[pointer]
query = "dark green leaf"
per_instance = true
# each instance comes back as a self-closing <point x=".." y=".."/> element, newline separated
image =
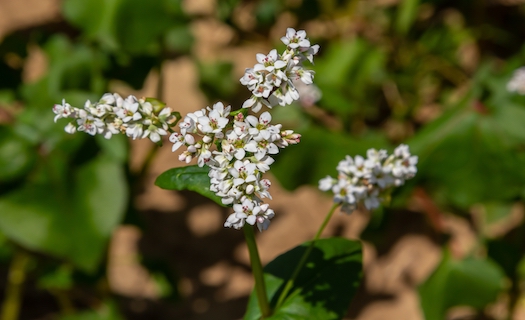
<point x="107" y="311"/>
<point x="465" y="151"/>
<point x="406" y="15"/>
<point x="16" y="155"/>
<point x="74" y="222"/>
<point x="192" y="178"/>
<point x="323" y="289"/>
<point x="469" y="282"/>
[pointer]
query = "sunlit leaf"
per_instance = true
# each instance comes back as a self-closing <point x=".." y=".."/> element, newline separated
<point x="192" y="178"/>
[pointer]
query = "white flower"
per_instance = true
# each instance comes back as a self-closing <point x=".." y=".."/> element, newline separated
<point x="63" y="110"/>
<point x="295" y="39"/>
<point x="326" y="183"/>
<point x="517" y="82"/>
<point x="270" y="61"/>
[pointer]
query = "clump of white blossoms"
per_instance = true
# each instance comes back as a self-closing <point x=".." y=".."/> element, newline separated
<point x="137" y="118"/>
<point x="370" y="180"/>
<point x="246" y="143"/>
<point x="270" y="80"/>
<point x="517" y="82"/>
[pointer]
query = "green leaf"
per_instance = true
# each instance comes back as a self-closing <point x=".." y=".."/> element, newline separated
<point x="117" y="147"/>
<point x="16" y="155"/>
<point x="324" y="287"/>
<point x="192" y="178"/>
<point x="72" y="222"/>
<point x="469" y="282"/>
<point x="135" y="26"/>
<point x="464" y="151"/>
<point x="108" y="311"/>
<point x="139" y="25"/>
<point x="61" y="278"/>
<point x="406" y="15"/>
<point x="317" y="156"/>
<point x="179" y="39"/>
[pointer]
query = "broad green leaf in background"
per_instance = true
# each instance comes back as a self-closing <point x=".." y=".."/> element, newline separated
<point x="192" y="178"/>
<point x="107" y="311"/>
<point x="134" y="26"/>
<point x="469" y="282"/>
<point x="16" y="155"/>
<point x="466" y="150"/>
<point x="318" y="155"/>
<point x="406" y="15"/>
<point x="216" y="80"/>
<point x="323" y="289"/>
<point x="72" y="222"/>
<point x="348" y="74"/>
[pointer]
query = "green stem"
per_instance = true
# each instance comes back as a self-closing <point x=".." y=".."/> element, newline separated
<point x="257" y="270"/>
<point x="15" y="281"/>
<point x="297" y="270"/>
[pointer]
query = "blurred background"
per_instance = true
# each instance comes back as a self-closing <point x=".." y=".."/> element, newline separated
<point x="85" y="234"/>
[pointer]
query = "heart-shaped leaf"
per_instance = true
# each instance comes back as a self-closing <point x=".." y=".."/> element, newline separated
<point x="325" y="286"/>
<point x="73" y="223"/>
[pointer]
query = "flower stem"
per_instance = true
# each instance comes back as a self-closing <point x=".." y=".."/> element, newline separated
<point x="257" y="270"/>
<point x="290" y="282"/>
<point x="15" y="282"/>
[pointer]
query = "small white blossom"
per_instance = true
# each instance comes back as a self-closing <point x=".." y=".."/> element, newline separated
<point x="517" y="82"/>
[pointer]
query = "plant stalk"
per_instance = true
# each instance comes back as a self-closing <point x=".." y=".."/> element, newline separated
<point x="306" y="254"/>
<point x="15" y="282"/>
<point x="257" y="270"/>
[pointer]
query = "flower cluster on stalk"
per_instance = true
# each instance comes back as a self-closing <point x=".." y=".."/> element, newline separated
<point x="370" y="180"/>
<point x="271" y="79"/>
<point x="136" y="118"/>
<point x="246" y="143"/>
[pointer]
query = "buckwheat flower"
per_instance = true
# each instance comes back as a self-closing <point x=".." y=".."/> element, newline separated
<point x="271" y="61"/>
<point x="135" y="131"/>
<point x="154" y="133"/>
<point x="70" y="128"/>
<point x="306" y="76"/>
<point x="251" y="78"/>
<point x="326" y="183"/>
<point x="63" y="110"/>
<point x="369" y="181"/>
<point x="517" y="82"/>
<point x="295" y="39"/>
<point x="260" y="128"/>
<point x="137" y="118"/>
<point x="129" y="110"/>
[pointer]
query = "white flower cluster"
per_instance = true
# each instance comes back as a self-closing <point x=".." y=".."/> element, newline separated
<point x="246" y="143"/>
<point x="517" y="82"/>
<point x="370" y="180"/>
<point x="137" y="118"/>
<point x="270" y="80"/>
<point x="243" y="155"/>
